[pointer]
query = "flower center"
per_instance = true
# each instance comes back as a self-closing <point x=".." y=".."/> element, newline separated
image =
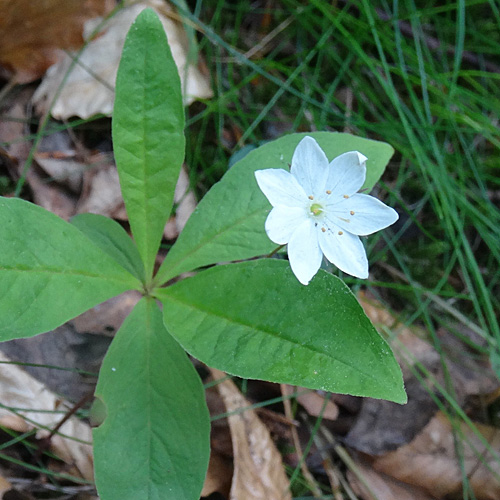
<point x="316" y="209"/>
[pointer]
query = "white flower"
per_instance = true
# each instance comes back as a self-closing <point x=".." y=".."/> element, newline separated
<point x="317" y="210"/>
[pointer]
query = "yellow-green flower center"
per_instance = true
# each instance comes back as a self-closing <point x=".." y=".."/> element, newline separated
<point x="316" y="209"/>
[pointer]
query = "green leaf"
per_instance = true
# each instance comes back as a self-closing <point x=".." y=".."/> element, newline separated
<point x="148" y="132"/>
<point x="228" y="224"/>
<point x="110" y="237"/>
<point x="255" y="320"/>
<point x="154" y="442"/>
<point x="49" y="271"/>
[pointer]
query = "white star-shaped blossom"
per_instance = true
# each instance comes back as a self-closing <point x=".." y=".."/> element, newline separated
<point x="317" y="210"/>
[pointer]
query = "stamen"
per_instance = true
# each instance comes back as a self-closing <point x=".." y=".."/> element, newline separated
<point x="328" y="191"/>
<point x="352" y="212"/>
<point x="341" y="233"/>
<point x="311" y="197"/>
<point x="323" y="229"/>
<point x="346" y="196"/>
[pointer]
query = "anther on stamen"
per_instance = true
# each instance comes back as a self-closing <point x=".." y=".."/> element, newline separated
<point x="346" y="196"/>
<point x="323" y="229"/>
<point x="352" y="212"/>
<point x="328" y="191"/>
<point x="311" y="197"/>
<point x="341" y="233"/>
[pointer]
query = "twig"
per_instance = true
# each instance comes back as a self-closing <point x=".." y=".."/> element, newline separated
<point x="275" y="251"/>
<point x="348" y="461"/>
<point x="331" y="470"/>
<point x="45" y="442"/>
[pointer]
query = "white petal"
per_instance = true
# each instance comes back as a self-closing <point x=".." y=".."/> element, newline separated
<point x="282" y="222"/>
<point x="280" y="187"/>
<point x="361" y="214"/>
<point x="346" y="174"/>
<point x="304" y="253"/>
<point x="345" y="251"/>
<point x="310" y="166"/>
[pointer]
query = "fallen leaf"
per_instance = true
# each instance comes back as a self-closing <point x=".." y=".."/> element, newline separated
<point x="4" y="486"/>
<point x="106" y="318"/>
<point x="372" y="485"/>
<point x="66" y="349"/>
<point x="258" y="467"/>
<point x="34" y="35"/>
<point x="39" y="408"/>
<point x="66" y="171"/>
<point x="14" y="126"/>
<point x="316" y="404"/>
<point x="431" y="462"/>
<point x="50" y="196"/>
<point x="102" y="194"/>
<point x="186" y="204"/>
<point x="219" y="473"/>
<point x="81" y="343"/>
<point x="89" y="87"/>
<point x="383" y="426"/>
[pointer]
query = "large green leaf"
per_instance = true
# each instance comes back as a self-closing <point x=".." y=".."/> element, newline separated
<point x="228" y="224"/>
<point x="110" y="237"/>
<point x="49" y="271"/>
<point x="255" y="320"/>
<point x="154" y="442"/>
<point x="148" y="132"/>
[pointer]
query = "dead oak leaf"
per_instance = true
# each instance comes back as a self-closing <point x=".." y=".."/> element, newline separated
<point x="258" y="467"/>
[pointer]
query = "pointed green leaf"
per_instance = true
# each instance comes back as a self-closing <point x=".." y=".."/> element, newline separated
<point x="228" y="224"/>
<point x="154" y="442"/>
<point x="49" y="271"/>
<point x="255" y="320"/>
<point x="110" y="237"/>
<point x="148" y="132"/>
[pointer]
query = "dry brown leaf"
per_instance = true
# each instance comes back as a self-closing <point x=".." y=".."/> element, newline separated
<point x="186" y="203"/>
<point x="20" y="390"/>
<point x="219" y="473"/>
<point x="373" y="485"/>
<point x="430" y="460"/>
<point x="383" y="426"/>
<point x="81" y="342"/>
<point x="106" y="318"/>
<point x="14" y="125"/>
<point x="4" y="486"/>
<point x="316" y="404"/>
<point x="34" y="35"/>
<point x="472" y="374"/>
<point x="102" y="194"/>
<point x="258" y="467"/>
<point x="87" y="93"/>
<point x="66" y="171"/>
<point x="50" y="196"/>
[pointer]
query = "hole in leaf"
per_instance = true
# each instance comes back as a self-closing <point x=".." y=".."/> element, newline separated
<point x="98" y="412"/>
